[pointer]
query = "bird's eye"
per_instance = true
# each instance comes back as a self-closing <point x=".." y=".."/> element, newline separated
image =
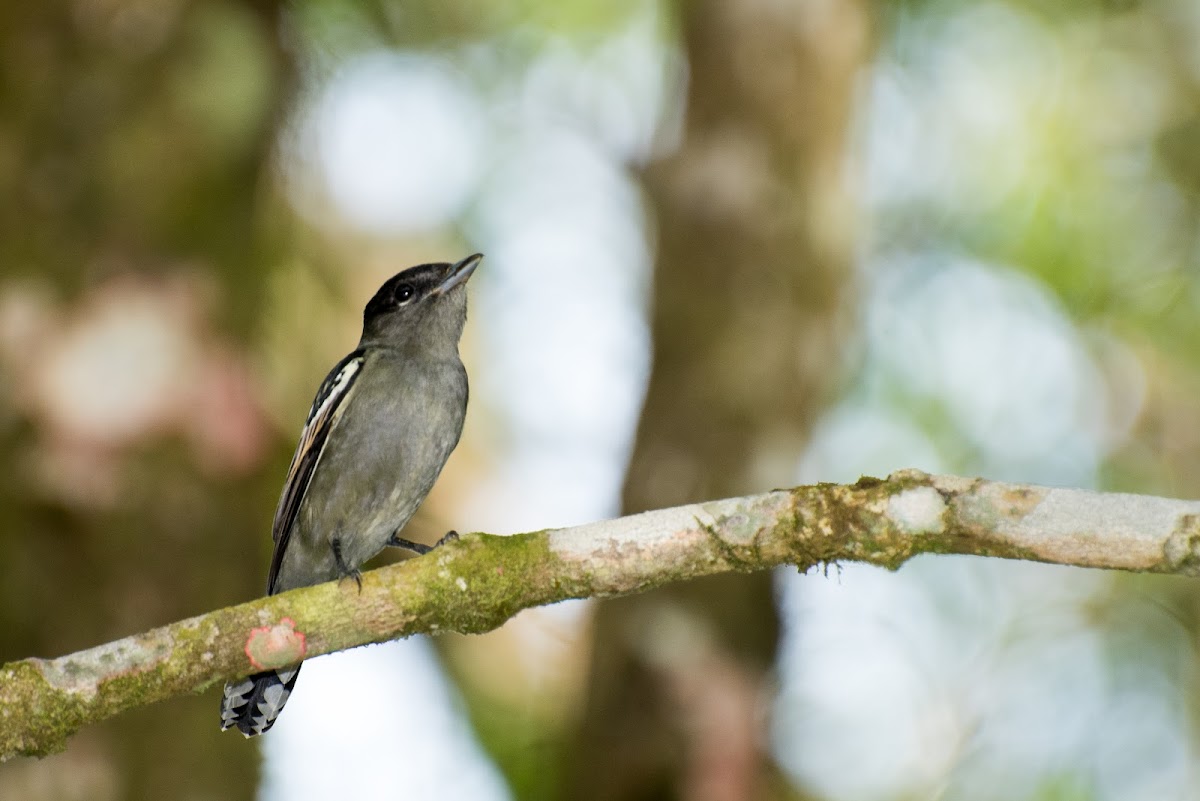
<point x="404" y="293"/>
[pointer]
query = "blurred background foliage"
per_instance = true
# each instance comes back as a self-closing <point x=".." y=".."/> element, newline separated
<point x="731" y="246"/>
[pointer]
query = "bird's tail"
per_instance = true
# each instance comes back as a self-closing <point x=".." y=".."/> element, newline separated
<point x="253" y="704"/>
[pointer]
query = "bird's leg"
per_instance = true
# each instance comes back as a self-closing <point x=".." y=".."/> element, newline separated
<point x="396" y="541"/>
<point x="344" y="570"/>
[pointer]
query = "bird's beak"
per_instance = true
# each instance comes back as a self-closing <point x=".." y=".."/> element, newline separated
<point x="460" y="272"/>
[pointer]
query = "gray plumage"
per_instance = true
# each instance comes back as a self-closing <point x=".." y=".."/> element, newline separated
<point x="380" y="429"/>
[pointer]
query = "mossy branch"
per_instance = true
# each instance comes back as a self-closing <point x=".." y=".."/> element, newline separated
<point x="480" y="581"/>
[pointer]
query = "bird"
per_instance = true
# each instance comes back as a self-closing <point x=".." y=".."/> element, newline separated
<point x="378" y="433"/>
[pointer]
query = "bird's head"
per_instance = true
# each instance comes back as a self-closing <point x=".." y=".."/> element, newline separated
<point x="425" y="305"/>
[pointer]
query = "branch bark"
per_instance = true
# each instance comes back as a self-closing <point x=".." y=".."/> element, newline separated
<point x="477" y="583"/>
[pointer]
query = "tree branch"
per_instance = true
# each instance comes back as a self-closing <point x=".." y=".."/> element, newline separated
<point x="475" y="584"/>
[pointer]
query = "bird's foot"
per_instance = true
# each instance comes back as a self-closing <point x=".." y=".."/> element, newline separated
<point x="352" y="574"/>
<point x="344" y="570"/>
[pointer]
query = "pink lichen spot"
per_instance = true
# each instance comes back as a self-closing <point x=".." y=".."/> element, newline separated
<point x="275" y="646"/>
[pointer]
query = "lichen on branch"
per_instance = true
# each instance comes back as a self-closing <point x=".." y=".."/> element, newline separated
<point x="476" y="583"/>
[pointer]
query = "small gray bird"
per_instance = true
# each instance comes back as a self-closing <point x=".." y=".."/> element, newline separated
<point x="380" y="429"/>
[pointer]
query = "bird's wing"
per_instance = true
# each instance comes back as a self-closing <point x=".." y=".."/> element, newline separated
<point x="326" y="409"/>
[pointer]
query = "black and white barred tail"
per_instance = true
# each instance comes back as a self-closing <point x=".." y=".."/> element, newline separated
<point x="253" y="704"/>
